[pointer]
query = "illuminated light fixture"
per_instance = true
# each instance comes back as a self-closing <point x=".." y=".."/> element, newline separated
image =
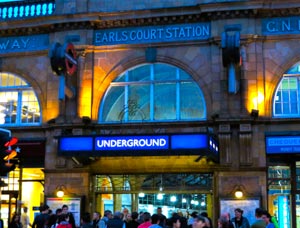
<point x="254" y="113"/>
<point x="173" y="199"/>
<point x="160" y="196"/>
<point x="60" y="192"/>
<point x="202" y="203"/>
<point x="238" y="192"/>
<point x="183" y="200"/>
<point x="141" y="195"/>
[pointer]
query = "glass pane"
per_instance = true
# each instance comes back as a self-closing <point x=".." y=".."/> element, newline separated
<point x="164" y="72"/>
<point x="191" y="108"/>
<point x="30" y="108"/>
<point x="113" y="105"/>
<point x="279" y="184"/>
<point x="141" y="73"/>
<point x="8" y="105"/>
<point x="165" y="102"/>
<point x="138" y="102"/>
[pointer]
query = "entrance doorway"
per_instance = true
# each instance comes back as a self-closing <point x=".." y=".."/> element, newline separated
<point x="183" y="193"/>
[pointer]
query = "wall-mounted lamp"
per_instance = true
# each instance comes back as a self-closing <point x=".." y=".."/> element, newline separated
<point x="254" y="113"/>
<point x="238" y="191"/>
<point x="60" y="191"/>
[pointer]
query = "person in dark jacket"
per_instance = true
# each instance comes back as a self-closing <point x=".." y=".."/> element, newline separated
<point x="133" y="223"/>
<point x="116" y="221"/>
<point x="41" y="220"/>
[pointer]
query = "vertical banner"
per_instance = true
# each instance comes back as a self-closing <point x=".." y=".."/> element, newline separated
<point x="283" y="212"/>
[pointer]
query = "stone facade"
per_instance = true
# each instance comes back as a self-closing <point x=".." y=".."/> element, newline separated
<point x="241" y="137"/>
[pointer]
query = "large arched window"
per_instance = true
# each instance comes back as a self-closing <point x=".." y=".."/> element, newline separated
<point x="153" y="93"/>
<point x="286" y="101"/>
<point x="18" y="102"/>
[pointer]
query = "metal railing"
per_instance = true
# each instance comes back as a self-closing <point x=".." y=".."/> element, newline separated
<point x="26" y="9"/>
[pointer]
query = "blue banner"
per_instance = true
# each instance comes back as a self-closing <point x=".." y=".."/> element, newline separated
<point x="282" y="144"/>
<point x="281" y="26"/>
<point x="24" y="43"/>
<point x="139" y="145"/>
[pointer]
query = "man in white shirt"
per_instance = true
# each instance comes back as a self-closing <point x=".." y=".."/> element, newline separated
<point x="25" y="218"/>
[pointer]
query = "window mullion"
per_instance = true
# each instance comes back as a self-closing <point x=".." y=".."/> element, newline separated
<point x="19" y="108"/>
<point x="152" y="92"/>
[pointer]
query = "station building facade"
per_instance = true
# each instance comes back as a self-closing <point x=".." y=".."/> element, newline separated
<point x="176" y="104"/>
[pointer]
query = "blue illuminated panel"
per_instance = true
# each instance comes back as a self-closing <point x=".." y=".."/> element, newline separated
<point x="282" y="144"/>
<point x="76" y="144"/>
<point x="189" y="141"/>
<point x="132" y="142"/>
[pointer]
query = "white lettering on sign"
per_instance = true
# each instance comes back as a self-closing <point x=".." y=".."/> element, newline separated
<point x="153" y="34"/>
<point x="282" y="25"/>
<point x="23" y="43"/>
<point x="129" y="143"/>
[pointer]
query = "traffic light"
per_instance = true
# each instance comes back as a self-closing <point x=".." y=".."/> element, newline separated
<point x="6" y="152"/>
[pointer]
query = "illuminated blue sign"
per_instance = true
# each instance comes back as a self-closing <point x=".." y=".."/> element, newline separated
<point x="153" y="34"/>
<point x="76" y="143"/>
<point x="189" y="141"/>
<point x="281" y="25"/>
<point x="139" y="145"/>
<point x="282" y="144"/>
<point x="132" y="143"/>
<point x="24" y="43"/>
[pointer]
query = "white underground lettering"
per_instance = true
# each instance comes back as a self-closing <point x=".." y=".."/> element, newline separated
<point x="121" y="143"/>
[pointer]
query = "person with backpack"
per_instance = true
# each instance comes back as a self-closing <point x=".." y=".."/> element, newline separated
<point x="103" y="222"/>
<point x="96" y="219"/>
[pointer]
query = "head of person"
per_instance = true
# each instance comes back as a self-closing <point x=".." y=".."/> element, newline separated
<point x="159" y="210"/>
<point x="108" y="214"/>
<point x="44" y="209"/>
<point x="127" y="217"/>
<point x="65" y="209"/>
<point x="175" y="221"/>
<point x="258" y="212"/>
<point x="25" y="209"/>
<point x="58" y="211"/>
<point x="199" y="222"/>
<point x="118" y="215"/>
<point x="225" y="216"/>
<point x="86" y="218"/>
<point x="223" y="222"/>
<point x="155" y="219"/>
<point x="134" y="215"/>
<point x="194" y="214"/>
<point x="125" y="211"/>
<point x="266" y="217"/>
<point x="96" y="216"/>
<point x="63" y="218"/>
<point x="146" y="216"/>
<point x="238" y="212"/>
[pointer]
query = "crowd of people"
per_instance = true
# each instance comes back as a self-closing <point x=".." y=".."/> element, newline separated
<point x="62" y="218"/>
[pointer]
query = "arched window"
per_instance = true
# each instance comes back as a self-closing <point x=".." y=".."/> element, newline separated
<point x="286" y="100"/>
<point x="18" y="102"/>
<point x="153" y="93"/>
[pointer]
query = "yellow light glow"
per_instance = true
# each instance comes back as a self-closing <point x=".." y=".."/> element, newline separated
<point x="238" y="194"/>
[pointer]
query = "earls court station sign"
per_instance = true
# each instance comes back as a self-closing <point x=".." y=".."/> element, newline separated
<point x="152" y="34"/>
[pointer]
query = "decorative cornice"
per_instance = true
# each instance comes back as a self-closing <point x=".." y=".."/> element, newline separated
<point x="60" y="23"/>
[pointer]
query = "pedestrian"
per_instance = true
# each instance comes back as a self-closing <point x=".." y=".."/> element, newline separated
<point x="259" y="222"/>
<point x="239" y="220"/>
<point x="63" y="221"/>
<point x="25" y="218"/>
<point x="96" y="219"/>
<point x="15" y="221"/>
<point x="86" y="220"/>
<point x="42" y="219"/>
<point x="65" y="210"/>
